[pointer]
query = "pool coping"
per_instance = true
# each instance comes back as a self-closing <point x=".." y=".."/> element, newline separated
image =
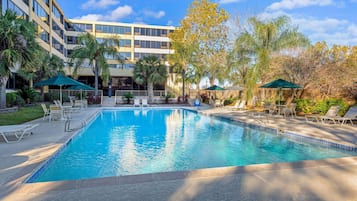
<point x="37" y="187"/>
<point x="42" y="187"/>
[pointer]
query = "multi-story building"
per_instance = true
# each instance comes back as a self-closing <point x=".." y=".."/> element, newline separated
<point x="58" y="35"/>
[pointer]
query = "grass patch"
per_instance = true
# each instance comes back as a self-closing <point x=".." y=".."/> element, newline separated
<point x="24" y="114"/>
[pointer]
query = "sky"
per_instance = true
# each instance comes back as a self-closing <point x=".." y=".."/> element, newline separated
<point x="333" y="21"/>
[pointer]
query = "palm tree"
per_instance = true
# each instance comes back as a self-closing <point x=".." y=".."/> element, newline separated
<point x="150" y="71"/>
<point x="43" y="66"/>
<point x="17" y="46"/>
<point x="266" y="38"/>
<point x="90" y="49"/>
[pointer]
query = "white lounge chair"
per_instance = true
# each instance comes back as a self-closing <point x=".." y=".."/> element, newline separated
<point x="46" y="112"/>
<point x="241" y="105"/>
<point x="19" y="131"/>
<point x="136" y="103"/>
<point x="350" y="116"/>
<point x="144" y="102"/>
<point x="330" y="115"/>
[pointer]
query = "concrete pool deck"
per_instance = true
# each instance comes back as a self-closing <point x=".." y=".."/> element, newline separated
<point x="331" y="179"/>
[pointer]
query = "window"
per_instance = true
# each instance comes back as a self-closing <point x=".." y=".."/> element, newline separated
<point x="42" y="34"/>
<point x="72" y="40"/>
<point x="151" y="32"/>
<point x="40" y="12"/>
<point x="125" y="55"/>
<point x="26" y="2"/>
<point x="8" y="4"/>
<point x="112" y="29"/>
<point x="57" y="45"/>
<point x="136" y="30"/>
<point x="151" y="44"/>
<point x="47" y="2"/>
<point x="142" y="55"/>
<point x="89" y="27"/>
<point x="57" y="29"/>
<point x="125" y="43"/>
<point x="57" y="14"/>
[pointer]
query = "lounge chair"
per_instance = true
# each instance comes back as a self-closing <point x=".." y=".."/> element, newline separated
<point x="290" y="110"/>
<point x="218" y="103"/>
<point x="46" y="112"/>
<point x="350" y="116"/>
<point x="241" y="105"/>
<point x="19" y="131"/>
<point x="330" y="115"/>
<point x="56" y="112"/>
<point x="144" y="102"/>
<point x="136" y="103"/>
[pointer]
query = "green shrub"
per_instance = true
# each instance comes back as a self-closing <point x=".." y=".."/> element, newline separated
<point x="309" y="106"/>
<point x="28" y="94"/>
<point x="56" y="96"/>
<point x="19" y="100"/>
<point x="229" y="101"/>
<point x="127" y="96"/>
<point x="10" y="99"/>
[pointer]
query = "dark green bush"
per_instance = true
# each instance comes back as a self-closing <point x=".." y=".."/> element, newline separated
<point x="11" y="99"/>
<point x="19" y="100"/>
<point x="28" y="94"/>
<point x="56" y="96"/>
<point x="127" y="96"/>
<point x="309" y="106"/>
<point x="305" y="105"/>
<point x="229" y="101"/>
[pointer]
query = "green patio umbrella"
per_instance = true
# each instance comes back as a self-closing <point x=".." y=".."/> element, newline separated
<point x="58" y="80"/>
<point x="81" y="87"/>
<point x="215" y="88"/>
<point x="280" y="84"/>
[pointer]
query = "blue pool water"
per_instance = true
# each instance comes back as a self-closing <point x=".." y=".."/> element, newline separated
<point x="127" y="142"/>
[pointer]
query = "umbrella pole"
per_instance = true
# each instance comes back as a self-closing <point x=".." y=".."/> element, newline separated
<point x="61" y="93"/>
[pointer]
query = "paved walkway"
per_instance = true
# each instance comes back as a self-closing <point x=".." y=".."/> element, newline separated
<point x="332" y="179"/>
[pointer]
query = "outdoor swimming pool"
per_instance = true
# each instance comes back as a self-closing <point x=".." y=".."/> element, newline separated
<point x="138" y="141"/>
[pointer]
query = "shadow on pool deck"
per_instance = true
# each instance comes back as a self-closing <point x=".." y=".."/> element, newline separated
<point x="331" y="179"/>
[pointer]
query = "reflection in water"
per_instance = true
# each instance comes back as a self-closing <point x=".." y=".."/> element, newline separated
<point x="140" y="141"/>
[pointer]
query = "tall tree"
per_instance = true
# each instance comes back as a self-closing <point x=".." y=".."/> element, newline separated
<point x="95" y="53"/>
<point x="240" y="64"/>
<point x="201" y="40"/>
<point x="17" y="46"/>
<point x="150" y="71"/>
<point x="43" y="66"/>
<point x="266" y="38"/>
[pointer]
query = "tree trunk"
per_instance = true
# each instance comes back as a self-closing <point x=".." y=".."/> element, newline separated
<point x="183" y="84"/>
<point x="150" y="87"/>
<point x="96" y="76"/>
<point x="3" y="81"/>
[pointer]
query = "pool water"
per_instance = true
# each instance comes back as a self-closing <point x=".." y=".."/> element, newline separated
<point x="128" y="142"/>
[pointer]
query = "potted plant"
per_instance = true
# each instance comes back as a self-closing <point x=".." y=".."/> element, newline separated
<point x="127" y="97"/>
<point x="168" y="96"/>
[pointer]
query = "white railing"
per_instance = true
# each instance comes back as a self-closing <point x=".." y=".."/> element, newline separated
<point x="119" y="95"/>
<point x="75" y="93"/>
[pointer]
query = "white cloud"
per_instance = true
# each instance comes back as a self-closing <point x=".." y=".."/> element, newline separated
<point x="331" y="30"/>
<point x="90" y="17"/>
<point x="292" y="4"/>
<point x="228" y="1"/>
<point x="154" y="14"/>
<point x="99" y="4"/>
<point x="170" y="23"/>
<point x="118" y="13"/>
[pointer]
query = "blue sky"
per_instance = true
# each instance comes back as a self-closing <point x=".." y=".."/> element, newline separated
<point x="334" y="21"/>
